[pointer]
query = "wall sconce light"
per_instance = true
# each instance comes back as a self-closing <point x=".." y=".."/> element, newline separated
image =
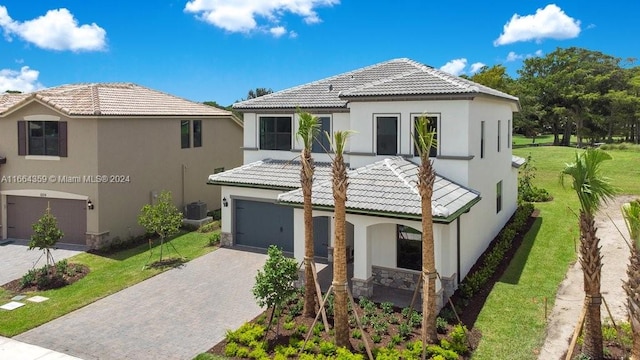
<point x="89" y="205"/>
<point x="225" y="203"/>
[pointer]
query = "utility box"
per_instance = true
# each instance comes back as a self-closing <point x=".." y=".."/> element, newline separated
<point x="196" y="210"/>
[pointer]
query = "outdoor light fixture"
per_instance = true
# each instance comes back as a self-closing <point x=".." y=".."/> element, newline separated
<point x="89" y="205"/>
<point x="225" y="203"/>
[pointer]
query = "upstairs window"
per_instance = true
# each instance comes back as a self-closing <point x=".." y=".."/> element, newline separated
<point x="482" y="140"/>
<point x="197" y="133"/>
<point x="509" y="134"/>
<point x="185" y="134"/>
<point x="432" y="124"/>
<point x="321" y="143"/>
<point x="42" y="138"/>
<point x="386" y="135"/>
<point x="275" y="133"/>
<point x="499" y="126"/>
<point x="499" y="196"/>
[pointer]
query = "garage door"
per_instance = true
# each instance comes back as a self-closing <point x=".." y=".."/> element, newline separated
<point x="260" y="224"/>
<point x="24" y="211"/>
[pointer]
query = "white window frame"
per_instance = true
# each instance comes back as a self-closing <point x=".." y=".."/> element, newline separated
<point x="375" y="132"/>
<point x="438" y="130"/>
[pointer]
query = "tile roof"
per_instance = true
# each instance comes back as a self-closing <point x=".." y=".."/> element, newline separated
<point x="398" y="77"/>
<point x="517" y="161"/>
<point x="276" y="174"/>
<point x="110" y="99"/>
<point x="390" y="186"/>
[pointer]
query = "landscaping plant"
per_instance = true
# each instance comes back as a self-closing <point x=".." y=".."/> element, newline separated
<point x="631" y="213"/>
<point x="425" y="140"/>
<point x="161" y="218"/>
<point x="308" y="128"/>
<point x="592" y="188"/>
<point x="46" y="235"/>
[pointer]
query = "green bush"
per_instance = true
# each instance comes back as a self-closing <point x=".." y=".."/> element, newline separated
<point x="436" y="350"/>
<point x="328" y="348"/>
<point x="441" y="325"/>
<point x="459" y="339"/>
<point x="231" y="349"/>
<point x="214" y="239"/>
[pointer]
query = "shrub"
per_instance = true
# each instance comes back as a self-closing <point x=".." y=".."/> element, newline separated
<point x="436" y="350"/>
<point x="376" y="338"/>
<point x="328" y="348"/>
<point x="356" y="334"/>
<point x="231" y="349"/>
<point x="459" y="339"/>
<point x="214" y="239"/>
<point x="209" y="227"/>
<point x="404" y="330"/>
<point x="441" y="325"/>
<point x="387" y="307"/>
<point x="274" y="283"/>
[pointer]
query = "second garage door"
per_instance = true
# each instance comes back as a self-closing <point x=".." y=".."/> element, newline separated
<point x="24" y="211"/>
<point x="260" y="224"/>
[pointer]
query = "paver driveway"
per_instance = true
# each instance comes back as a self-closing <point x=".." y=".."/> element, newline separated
<point x="16" y="259"/>
<point x="174" y="315"/>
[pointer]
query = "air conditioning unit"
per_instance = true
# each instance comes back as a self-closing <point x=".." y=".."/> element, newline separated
<point x="196" y="210"/>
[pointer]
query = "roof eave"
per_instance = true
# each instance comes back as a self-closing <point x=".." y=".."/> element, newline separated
<point x="252" y="186"/>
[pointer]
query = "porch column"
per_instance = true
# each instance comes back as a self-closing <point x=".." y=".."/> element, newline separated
<point x="362" y="281"/>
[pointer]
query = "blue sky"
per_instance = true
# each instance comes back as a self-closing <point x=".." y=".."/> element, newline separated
<point x="219" y="49"/>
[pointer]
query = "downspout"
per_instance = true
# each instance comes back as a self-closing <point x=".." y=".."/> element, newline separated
<point x="458" y="248"/>
<point x="184" y="170"/>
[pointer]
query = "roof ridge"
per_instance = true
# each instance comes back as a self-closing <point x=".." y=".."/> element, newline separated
<point x="389" y="163"/>
<point x="95" y="99"/>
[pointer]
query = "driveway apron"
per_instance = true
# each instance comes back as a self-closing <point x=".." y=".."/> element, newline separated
<point x="174" y="315"/>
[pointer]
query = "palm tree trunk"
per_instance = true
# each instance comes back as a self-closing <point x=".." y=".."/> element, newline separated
<point x="341" y="317"/>
<point x="591" y="262"/>
<point x="306" y="179"/>
<point x="632" y="287"/>
<point x="426" y="178"/>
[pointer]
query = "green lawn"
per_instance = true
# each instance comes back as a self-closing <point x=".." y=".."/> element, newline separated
<point x="109" y="274"/>
<point x="512" y="321"/>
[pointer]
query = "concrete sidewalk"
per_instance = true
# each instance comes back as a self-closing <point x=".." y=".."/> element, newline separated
<point x="16" y="350"/>
<point x="174" y="315"/>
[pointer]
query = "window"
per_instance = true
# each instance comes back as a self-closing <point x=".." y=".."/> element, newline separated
<point x="499" y="196"/>
<point x="509" y="134"/>
<point x="482" y="140"/>
<point x="409" y="248"/>
<point x="321" y="143"/>
<point x="218" y="170"/>
<point x="275" y="133"/>
<point x="499" y="126"/>
<point x="197" y="133"/>
<point x="185" y="134"/>
<point x="432" y="124"/>
<point x="386" y="135"/>
<point x="42" y="138"/>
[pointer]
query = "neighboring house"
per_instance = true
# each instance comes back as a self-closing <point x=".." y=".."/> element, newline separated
<point x="96" y="153"/>
<point x="475" y="190"/>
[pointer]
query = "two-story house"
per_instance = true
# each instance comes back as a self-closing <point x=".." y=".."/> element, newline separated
<point x="475" y="190"/>
<point x="96" y="153"/>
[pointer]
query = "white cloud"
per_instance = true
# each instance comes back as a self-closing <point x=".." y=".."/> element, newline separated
<point x="455" y="66"/>
<point x="538" y="53"/>
<point x="278" y="31"/>
<point x="293" y="34"/>
<point x="242" y="15"/>
<point x="25" y="80"/>
<point x="475" y="67"/>
<point x="512" y="56"/>
<point x="56" y="30"/>
<point x="548" y="23"/>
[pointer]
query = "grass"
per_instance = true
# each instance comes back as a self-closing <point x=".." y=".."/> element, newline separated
<point x="108" y="275"/>
<point x="544" y="257"/>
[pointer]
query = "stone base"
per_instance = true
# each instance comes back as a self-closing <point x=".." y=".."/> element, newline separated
<point x="197" y="223"/>
<point x="226" y="239"/>
<point x="362" y="288"/>
<point x="448" y="286"/>
<point x="98" y="241"/>
<point x="395" y="278"/>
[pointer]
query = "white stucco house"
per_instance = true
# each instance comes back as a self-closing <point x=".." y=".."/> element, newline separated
<point x="475" y="191"/>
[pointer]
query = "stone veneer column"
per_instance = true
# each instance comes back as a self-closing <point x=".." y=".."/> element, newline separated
<point x="448" y="286"/>
<point x="361" y="287"/>
<point x="226" y="239"/>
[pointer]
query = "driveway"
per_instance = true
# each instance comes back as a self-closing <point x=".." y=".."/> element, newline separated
<point x="174" y="315"/>
<point x="17" y="259"/>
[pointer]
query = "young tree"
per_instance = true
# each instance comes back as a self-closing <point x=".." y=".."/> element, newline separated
<point x="274" y="285"/>
<point x="340" y="184"/>
<point x="308" y="128"/>
<point x="592" y="188"/>
<point x="631" y="213"/>
<point x="161" y="218"/>
<point x="425" y="140"/>
<point x="46" y="235"/>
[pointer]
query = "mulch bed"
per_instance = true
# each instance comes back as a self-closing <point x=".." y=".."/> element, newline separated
<point x="80" y="272"/>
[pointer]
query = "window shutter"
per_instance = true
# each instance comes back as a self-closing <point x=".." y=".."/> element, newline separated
<point x="22" y="138"/>
<point x="62" y="139"/>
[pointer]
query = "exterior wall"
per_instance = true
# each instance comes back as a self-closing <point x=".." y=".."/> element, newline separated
<point x="81" y="160"/>
<point x="148" y="151"/>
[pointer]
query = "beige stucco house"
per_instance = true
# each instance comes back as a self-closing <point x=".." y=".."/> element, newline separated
<point x="96" y="153"/>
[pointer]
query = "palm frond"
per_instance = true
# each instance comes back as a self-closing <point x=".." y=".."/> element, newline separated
<point x="308" y="128"/>
<point x="631" y="214"/>
<point x="591" y="186"/>
<point x="425" y="136"/>
<point x="339" y="140"/>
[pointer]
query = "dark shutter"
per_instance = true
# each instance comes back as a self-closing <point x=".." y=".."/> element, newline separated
<point x="22" y="138"/>
<point x="62" y="139"/>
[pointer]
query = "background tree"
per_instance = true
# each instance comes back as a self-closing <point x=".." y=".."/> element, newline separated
<point x="252" y="94"/>
<point x="46" y="235"/>
<point x="162" y="218"/>
<point x="340" y="183"/>
<point x="495" y="77"/>
<point x="308" y="129"/>
<point x="592" y="189"/>
<point x="274" y="285"/>
<point x="631" y="213"/>
<point x="425" y="140"/>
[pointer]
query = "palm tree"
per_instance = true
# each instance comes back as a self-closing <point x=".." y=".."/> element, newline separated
<point x="340" y="183"/>
<point x="308" y="128"/>
<point x="425" y="139"/>
<point x="592" y="189"/>
<point x="631" y="213"/>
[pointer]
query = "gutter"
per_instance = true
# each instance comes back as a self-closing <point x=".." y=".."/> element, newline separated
<point x="252" y="186"/>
